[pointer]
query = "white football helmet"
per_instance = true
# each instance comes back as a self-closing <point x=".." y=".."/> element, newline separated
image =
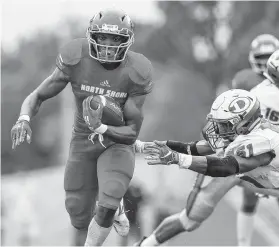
<point x="272" y="72"/>
<point x="234" y="112"/>
<point x="261" y="49"/>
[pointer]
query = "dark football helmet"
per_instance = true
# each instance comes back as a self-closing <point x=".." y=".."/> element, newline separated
<point x="261" y="49"/>
<point x="114" y="22"/>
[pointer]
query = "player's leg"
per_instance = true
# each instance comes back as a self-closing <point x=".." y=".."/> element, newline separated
<point x="245" y="218"/>
<point x="81" y="186"/>
<point x="171" y="226"/>
<point x="115" y="170"/>
<point x="200" y="205"/>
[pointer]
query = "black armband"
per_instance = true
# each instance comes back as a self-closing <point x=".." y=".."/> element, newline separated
<point x="221" y="167"/>
<point x="182" y="147"/>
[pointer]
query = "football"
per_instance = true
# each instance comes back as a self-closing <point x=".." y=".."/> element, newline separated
<point x="112" y="112"/>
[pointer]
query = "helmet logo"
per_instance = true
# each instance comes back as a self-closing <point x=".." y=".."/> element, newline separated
<point x="109" y="28"/>
<point x="240" y="104"/>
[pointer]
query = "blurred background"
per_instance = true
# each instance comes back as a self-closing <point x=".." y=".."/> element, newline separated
<point x="196" y="48"/>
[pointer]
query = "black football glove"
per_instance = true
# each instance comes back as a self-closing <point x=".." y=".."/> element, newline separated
<point x="19" y="132"/>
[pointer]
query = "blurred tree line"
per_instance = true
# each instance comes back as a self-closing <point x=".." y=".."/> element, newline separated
<point x="211" y="37"/>
<point x="200" y="46"/>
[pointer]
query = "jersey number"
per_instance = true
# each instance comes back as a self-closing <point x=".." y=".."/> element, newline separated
<point x="245" y="151"/>
<point x="272" y="116"/>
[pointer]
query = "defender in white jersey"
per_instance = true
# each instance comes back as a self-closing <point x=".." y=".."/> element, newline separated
<point x="267" y="93"/>
<point x="245" y="154"/>
<point x="251" y="79"/>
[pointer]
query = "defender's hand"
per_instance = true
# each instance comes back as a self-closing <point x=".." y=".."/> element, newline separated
<point x="19" y="131"/>
<point x="161" y="154"/>
<point x="144" y="147"/>
<point x="92" y="117"/>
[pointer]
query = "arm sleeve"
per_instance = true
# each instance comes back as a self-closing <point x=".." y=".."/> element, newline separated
<point x="221" y="167"/>
<point x="142" y="88"/>
<point x="182" y="147"/>
<point x="69" y="56"/>
<point x="62" y="66"/>
<point x="141" y="75"/>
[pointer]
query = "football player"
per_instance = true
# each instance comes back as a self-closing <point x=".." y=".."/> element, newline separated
<point x="100" y="64"/>
<point x="260" y="50"/>
<point x="244" y="148"/>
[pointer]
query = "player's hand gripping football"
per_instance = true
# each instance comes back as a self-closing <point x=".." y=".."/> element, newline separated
<point x="92" y="117"/>
<point x="161" y="154"/>
<point x="19" y="132"/>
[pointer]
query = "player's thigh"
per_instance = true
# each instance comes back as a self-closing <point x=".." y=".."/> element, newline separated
<point x="80" y="180"/>
<point x="250" y="201"/>
<point x="115" y="170"/>
<point x="218" y="187"/>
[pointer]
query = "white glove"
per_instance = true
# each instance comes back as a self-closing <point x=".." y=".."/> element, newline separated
<point x="141" y="147"/>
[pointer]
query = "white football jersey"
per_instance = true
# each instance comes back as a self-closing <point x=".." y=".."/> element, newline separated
<point x="257" y="142"/>
<point x="268" y="95"/>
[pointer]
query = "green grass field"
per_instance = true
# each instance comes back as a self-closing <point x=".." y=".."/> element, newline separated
<point x="45" y="207"/>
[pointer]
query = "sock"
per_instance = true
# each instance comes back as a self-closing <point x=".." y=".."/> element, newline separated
<point x="245" y="227"/>
<point x="96" y="235"/>
<point x="150" y="241"/>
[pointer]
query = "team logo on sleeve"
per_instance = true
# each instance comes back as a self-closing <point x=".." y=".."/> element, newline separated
<point x="240" y="104"/>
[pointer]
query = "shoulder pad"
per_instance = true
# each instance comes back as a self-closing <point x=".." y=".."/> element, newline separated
<point x="71" y="53"/>
<point x="246" y="79"/>
<point x="249" y="145"/>
<point x="141" y="69"/>
<point x="272" y="135"/>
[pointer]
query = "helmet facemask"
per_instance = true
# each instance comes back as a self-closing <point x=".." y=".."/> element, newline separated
<point x="107" y="53"/>
<point x="258" y="63"/>
<point x="219" y="133"/>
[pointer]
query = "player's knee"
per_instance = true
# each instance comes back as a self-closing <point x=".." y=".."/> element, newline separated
<point x="79" y="212"/>
<point x="250" y="202"/>
<point x="187" y="223"/>
<point x="114" y="189"/>
<point x="111" y="191"/>
<point x="200" y="207"/>
<point x="169" y="227"/>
